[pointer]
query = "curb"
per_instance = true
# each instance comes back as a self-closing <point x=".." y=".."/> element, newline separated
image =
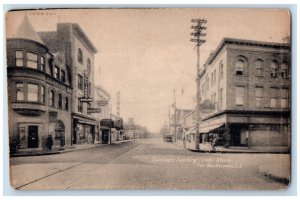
<point x="66" y="150"/>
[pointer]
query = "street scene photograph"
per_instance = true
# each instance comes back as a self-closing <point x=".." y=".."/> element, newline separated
<point x="149" y="99"/>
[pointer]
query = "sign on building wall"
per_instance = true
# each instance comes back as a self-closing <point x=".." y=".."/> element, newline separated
<point x="52" y="117"/>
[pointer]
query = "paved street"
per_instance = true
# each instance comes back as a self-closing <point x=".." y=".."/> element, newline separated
<point x="143" y="164"/>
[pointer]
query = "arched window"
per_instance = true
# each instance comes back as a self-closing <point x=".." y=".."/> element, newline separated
<point x="274" y="68"/>
<point x="66" y="103"/>
<point x="284" y="70"/>
<point x="80" y="57"/>
<point x="240" y="67"/>
<point x="59" y="100"/>
<point x="52" y="99"/>
<point x="259" y="67"/>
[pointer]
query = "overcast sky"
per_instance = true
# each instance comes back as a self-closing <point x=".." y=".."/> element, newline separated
<point x="146" y="53"/>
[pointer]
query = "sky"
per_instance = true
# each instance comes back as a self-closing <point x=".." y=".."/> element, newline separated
<point x="147" y="53"/>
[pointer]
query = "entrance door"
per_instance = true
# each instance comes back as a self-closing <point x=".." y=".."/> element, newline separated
<point x="33" y="137"/>
<point x="105" y="135"/>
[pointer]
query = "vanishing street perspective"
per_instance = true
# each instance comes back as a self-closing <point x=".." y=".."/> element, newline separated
<point x="149" y="99"/>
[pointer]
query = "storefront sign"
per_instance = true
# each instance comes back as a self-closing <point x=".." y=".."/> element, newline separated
<point x="86" y="99"/>
<point x="94" y="110"/>
<point x="102" y="102"/>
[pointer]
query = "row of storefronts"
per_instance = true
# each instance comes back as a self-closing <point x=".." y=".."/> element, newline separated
<point x="50" y="78"/>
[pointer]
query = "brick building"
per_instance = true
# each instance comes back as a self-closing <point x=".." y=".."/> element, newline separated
<point x="39" y="92"/>
<point x="245" y="94"/>
<point x="71" y="41"/>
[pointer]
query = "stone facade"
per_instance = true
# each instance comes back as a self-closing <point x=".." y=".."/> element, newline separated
<point x="245" y="93"/>
<point x="39" y="97"/>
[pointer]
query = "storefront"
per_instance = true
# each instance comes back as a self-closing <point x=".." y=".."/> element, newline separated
<point x="83" y="130"/>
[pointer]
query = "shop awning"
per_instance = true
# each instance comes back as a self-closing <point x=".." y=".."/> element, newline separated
<point x="209" y="129"/>
<point x="191" y="130"/>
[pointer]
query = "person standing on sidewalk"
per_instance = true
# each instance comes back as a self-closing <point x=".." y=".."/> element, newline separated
<point x="49" y="142"/>
<point x="213" y="143"/>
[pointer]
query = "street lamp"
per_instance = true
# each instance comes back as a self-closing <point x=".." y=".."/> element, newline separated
<point x="197" y="37"/>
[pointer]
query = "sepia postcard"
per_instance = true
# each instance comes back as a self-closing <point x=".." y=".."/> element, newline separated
<point x="161" y="98"/>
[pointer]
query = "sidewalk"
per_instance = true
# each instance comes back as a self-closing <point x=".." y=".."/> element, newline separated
<point x="42" y="152"/>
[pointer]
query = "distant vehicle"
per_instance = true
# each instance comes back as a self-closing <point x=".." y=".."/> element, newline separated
<point x="168" y="138"/>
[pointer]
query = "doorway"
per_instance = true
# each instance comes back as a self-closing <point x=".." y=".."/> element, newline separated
<point x="33" y="137"/>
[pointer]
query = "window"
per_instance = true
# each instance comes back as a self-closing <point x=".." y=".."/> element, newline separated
<point x="66" y="103"/>
<point x="32" y="60"/>
<point x="212" y="79"/>
<point x="273" y="102"/>
<point x="19" y="58"/>
<point x="88" y="64"/>
<point x="239" y="95"/>
<point x="215" y="77"/>
<point x="33" y="92"/>
<point x="80" y="82"/>
<point x="59" y="101"/>
<point x="258" y="96"/>
<point x="52" y="99"/>
<point x="221" y="71"/>
<point x="284" y="103"/>
<point x="221" y="98"/>
<point x="80" y="57"/>
<point x="90" y="88"/>
<point x="20" y="91"/>
<point x="207" y="84"/>
<point x="274" y="68"/>
<point x="43" y="94"/>
<point x="80" y="106"/>
<point x="240" y="67"/>
<point x="56" y="72"/>
<point x="42" y="63"/>
<point x="274" y="97"/>
<point x="63" y="76"/>
<point x="259" y="67"/>
<point x="284" y="70"/>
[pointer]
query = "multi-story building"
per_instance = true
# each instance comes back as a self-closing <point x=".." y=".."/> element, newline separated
<point x="78" y="52"/>
<point x="102" y="101"/>
<point x="245" y="93"/>
<point x="39" y="91"/>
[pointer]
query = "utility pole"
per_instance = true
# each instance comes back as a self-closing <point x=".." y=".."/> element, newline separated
<point x="197" y="37"/>
<point x="175" y="120"/>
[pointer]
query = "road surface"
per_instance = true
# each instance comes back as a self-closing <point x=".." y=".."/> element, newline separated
<point x="143" y="164"/>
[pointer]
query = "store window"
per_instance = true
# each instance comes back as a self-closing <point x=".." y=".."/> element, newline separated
<point x="240" y="95"/>
<point x="20" y="91"/>
<point x="33" y="92"/>
<point x="32" y="59"/>
<point x="19" y="58"/>
<point x="259" y="67"/>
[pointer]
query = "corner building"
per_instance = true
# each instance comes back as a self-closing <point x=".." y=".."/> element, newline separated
<point x="39" y="92"/>
<point x="79" y="52"/>
<point x="245" y="94"/>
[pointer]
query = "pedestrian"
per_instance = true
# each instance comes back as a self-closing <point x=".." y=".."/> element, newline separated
<point x="213" y="143"/>
<point x="49" y="142"/>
